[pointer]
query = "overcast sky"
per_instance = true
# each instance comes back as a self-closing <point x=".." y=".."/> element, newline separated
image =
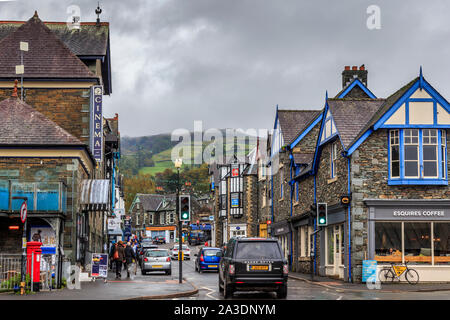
<point x="230" y="62"/>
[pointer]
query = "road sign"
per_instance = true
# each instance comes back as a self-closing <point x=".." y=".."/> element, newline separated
<point x="23" y="212"/>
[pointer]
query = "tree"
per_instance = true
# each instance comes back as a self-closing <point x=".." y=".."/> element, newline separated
<point x="137" y="184"/>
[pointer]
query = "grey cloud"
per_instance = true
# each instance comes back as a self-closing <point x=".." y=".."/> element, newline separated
<point x="229" y="62"/>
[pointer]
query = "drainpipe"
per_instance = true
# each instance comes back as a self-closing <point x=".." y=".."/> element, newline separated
<point x="315" y="234"/>
<point x="349" y="225"/>
<point x="292" y="193"/>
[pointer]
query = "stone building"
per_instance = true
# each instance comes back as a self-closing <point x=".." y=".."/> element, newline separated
<point x="66" y="73"/>
<point x="389" y="156"/>
<point x="293" y="145"/>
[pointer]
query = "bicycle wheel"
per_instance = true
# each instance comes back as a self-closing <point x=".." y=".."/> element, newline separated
<point x="386" y="275"/>
<point x="412" y="276"/>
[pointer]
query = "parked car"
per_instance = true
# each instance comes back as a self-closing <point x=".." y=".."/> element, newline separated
<point x="157" y="260"/>
<point x="207" y="259"/>
<point x="253" y="264"/>
<point x="186" y="252"/>
<point x="159" y="240"/>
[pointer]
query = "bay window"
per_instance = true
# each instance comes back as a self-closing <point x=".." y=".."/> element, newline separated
<point x="417" y="156"/>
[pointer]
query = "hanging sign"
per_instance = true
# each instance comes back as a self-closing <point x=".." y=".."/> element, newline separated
<point x="97" y="123"/>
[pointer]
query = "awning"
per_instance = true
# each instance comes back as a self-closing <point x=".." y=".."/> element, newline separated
<point x="95" y="195"/>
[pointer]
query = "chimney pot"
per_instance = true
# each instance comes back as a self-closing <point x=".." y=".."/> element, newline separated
<point x="347" y="67"/>
<point x="362" y="68"/>
<point x="354" y="68"/>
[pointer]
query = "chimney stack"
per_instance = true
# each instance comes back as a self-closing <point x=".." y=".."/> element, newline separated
<point x="349" y="75"/>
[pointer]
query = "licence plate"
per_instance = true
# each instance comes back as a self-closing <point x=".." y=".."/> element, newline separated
<point x="212" y="266"/>
<point x="157" y="266"/>
<point x="259" y="268"/>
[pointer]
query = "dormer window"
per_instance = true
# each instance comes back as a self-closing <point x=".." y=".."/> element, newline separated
<point x="417" y="156"/>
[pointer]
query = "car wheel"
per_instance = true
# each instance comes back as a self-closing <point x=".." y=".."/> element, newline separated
<point x="143" y="272"/>
<point x="282" y="292"/>
<point x="220" y="286"/>
<point x="227" y="290"/>
<point x="169" y="272"/>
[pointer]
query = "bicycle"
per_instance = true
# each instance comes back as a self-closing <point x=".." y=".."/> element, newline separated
<point x="396" y="271"/>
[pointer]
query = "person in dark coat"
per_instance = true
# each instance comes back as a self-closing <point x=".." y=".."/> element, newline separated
<point x="111" y="254"/>
<point x="129" y="258"/>
<point x="119" y="258"/>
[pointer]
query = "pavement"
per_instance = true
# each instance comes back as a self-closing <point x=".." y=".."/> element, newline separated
<point x="395" y="287"/>
<point x="123" y="289"/>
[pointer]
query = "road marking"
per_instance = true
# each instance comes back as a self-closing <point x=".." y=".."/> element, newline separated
<point x="340" y="297"/>
<point x="211" y="291"/>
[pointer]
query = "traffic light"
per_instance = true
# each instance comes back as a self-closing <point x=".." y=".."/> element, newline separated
<point x="185" y="208"/>
<point x="322" y="214"/>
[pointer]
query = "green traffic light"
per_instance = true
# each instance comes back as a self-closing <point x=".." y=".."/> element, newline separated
<point x="322" y="220"/>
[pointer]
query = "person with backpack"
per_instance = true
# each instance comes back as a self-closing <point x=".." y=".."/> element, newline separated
<point x="130" y="257"/>
<point x="119" y="258"/>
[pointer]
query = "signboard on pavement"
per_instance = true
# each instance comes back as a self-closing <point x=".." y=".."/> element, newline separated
<point x="369" y="272"/>
<point x="99" y="265"/>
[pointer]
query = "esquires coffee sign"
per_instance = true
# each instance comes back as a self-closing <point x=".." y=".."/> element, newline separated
<point x="419" y="213"/>
<point x="404" y="211"/>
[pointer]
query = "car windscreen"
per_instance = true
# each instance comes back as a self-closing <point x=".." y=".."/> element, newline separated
<point x="258" y="250"/>
<point x="210" y="252"/>
<point x="156" y="253"/>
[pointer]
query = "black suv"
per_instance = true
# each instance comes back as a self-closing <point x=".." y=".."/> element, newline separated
<point x="253" y="264"/>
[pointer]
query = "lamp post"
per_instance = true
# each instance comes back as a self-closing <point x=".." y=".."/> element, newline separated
<point x="178" y="163"/>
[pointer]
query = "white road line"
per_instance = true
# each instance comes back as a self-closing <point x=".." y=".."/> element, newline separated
<point x="340" y="297"/>
<point x="211" y="291"/>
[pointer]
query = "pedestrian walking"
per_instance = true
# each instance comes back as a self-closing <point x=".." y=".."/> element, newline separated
<point x="130" y="257"/>
<point x="119" y="258"/>
<point x="111" y="254"/>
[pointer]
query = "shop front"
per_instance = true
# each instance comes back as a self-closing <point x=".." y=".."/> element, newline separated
<point x="333" y="254"/>
<point x="412" y="231"/>
<point x="282" y="231"/>
<point x="168" y="232"/>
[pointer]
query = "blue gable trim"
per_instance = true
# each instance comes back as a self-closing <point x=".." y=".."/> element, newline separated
<point x="306" y="131"/>
<point x="318" y="148"/>
<point x="358" y="83"/>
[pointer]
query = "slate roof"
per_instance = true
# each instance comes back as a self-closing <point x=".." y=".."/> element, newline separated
<point x="303" y="158"/>
<point x="48" y="56"/>
<point x="292" y="122"/>
<point x="351" y="115"/>
<point x="89" y="40"/>
<point x="24" y="125"/>
<point x="151" y="202"/>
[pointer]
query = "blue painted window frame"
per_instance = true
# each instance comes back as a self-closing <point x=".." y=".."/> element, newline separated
<point x="402" y="180"/>
<point x="333" y="158"/>
<point x="297" y="191"/>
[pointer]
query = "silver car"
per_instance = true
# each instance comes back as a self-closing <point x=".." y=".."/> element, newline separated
<point x="186" y="252"/>
<point x="156" y="260"/>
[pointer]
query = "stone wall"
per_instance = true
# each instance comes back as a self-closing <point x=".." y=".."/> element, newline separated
<point x="251" y="204"/>
<point x="369" y="176"/>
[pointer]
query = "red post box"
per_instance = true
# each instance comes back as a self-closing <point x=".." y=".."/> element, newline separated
<point x="34" y="253"/>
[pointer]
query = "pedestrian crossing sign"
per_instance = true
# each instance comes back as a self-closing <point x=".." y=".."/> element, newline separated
<point x="399" y="270"/>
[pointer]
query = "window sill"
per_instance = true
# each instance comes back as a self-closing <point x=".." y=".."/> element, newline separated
<point x="332" y="180"/>
<point x="396" y="182"/>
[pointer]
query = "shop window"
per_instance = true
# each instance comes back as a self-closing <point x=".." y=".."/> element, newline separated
<point x="417" y="156"/>
<point x="388" y="241"/>
<point x="441" y="235"/>
<point x="417" y="242"/>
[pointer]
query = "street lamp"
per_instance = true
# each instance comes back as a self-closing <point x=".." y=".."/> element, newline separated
<point x="178" y="163"/>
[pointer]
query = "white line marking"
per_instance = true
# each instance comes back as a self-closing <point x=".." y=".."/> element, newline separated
<point x="210" y="292"/>
<point x="340" y="297"/>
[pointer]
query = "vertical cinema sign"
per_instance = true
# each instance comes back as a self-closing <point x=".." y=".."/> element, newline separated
<point x="97" y="123"/>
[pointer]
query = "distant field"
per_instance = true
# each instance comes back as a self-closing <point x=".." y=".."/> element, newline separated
<point x="163" y="160"/>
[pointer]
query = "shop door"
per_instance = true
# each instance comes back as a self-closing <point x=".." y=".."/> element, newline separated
<point x="338" y="248"/>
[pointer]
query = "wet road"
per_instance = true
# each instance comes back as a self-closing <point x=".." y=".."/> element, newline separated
<point x="207" y="283"/>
